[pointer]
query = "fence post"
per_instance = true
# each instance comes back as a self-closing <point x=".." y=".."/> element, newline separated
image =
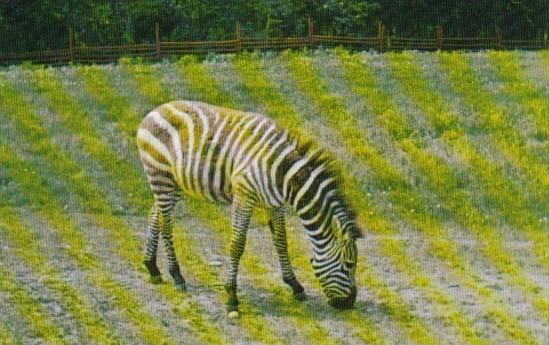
<point x="310" y="31"/>
<point x="71" y="44"/>
<point x="498" y="38"/>
<point x="380" y="34"/>
<point x="238" y="38"/>
<point x="157" y="40"/>
<point x="439" y="37"/>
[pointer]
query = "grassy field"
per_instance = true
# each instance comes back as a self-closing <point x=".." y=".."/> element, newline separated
<point x="445" y="158"/>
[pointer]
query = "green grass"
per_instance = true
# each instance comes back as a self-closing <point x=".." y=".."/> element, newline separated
<point x="447" y="184"/>
<point x="30" y="309"/>
<point x="517" y="87"/>
<point x="66" y="131"/>
<point x="542" y="62"/>
<point x="533" y="106"/>
<point x="40" y="197"/>
<point x="493" y="119"/>
<point x="6" y="338"/>
<point x="91" y="326"/>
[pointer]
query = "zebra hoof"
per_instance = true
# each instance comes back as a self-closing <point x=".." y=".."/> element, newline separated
<point x="300" y="296"/>
<point x="181" y="287"/>
<point x="232" y="308"/>
<point x="232" y="311"/>
<point x="156" y="279"/>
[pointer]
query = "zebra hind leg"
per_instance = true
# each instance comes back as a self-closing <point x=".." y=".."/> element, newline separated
<point x="166" y="195"/>
<point x="278" y="231"/>
<point x="152" y="246"/>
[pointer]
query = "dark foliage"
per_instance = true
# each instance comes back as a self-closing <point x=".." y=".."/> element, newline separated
<point x="27" y="25"/>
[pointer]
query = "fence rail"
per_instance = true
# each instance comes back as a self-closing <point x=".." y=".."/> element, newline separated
<point x="161" y="49"/>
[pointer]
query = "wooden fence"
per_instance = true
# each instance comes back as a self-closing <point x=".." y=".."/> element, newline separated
<point x="161" y="49"/>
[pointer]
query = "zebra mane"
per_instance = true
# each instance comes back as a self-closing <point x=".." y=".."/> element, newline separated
<point x="319" y="157"/>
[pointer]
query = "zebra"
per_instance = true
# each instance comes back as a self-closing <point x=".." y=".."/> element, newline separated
<point x="243" y="159"/>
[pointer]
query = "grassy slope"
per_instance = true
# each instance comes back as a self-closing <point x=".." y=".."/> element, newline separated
<point x="420" y="189"/>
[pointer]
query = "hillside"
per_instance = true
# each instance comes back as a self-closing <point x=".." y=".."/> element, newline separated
<point x="445" y="158"/>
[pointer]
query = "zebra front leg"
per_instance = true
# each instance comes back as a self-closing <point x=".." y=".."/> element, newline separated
<point x="173" y="265"/>
<point x="278" y="231"/>
<point x="241" y="214"/>
<point x="152" y="246"/>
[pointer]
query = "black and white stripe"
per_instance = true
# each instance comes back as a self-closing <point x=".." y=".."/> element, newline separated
<point x="244" y="159"/>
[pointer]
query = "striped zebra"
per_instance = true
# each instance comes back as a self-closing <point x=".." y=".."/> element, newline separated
<point x="243" y="159"/>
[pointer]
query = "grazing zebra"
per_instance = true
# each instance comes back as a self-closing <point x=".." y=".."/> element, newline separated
<point x="243" y="159"/>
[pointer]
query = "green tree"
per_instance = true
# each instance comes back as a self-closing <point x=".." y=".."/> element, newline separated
<point x="44" y="24"/>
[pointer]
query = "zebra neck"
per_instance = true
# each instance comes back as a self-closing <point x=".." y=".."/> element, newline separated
<point x="317" y="209"/>
<point x="321" y="235"/>
<point x="312" y="190"/>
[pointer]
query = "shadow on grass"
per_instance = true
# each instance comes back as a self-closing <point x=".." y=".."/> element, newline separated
<point x="281" y="304"/>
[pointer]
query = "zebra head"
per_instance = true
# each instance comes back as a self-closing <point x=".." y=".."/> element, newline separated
<point x="335" y="258"/>
<point x="316" y="195"/>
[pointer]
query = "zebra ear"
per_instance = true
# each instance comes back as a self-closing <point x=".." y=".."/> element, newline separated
<point x="336" y="229"/>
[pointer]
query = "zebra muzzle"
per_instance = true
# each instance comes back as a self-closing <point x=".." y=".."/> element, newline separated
<point x="344" y="302"/>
